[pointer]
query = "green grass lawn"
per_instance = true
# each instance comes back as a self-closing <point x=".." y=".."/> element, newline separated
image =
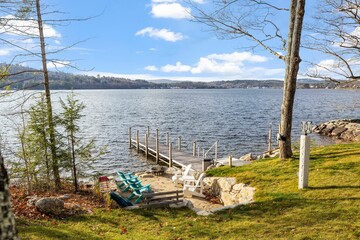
<point x="328" y="209"/>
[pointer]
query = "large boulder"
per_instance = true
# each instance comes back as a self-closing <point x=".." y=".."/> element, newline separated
<point x="228" y="191"/>
<point x="50" y="205"/>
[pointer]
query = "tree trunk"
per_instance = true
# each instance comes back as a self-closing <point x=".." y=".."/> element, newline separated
<point x="297" y="11"/>
<point x="74" y="161"/>
<point x="7" y="219"/>
<point x="55" y="164"/>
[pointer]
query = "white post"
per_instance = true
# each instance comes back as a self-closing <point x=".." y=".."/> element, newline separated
<point x="304" y="161"/>
<point x="179" y="143"/>
<point x="170" y="155"/>
<point x="146" y="145"/>
<point x="137" y="141"/>
<point x="130" y="137"/>
<point x="230" y="161"/>
<point x="194" y="149"/>
<point x="157" y="146"/>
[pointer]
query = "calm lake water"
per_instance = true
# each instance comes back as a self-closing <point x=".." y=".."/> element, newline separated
<point x="238" y="118"/>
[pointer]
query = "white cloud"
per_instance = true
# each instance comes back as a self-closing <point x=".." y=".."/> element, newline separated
<point x="170" y="10"/>
<point x="153" y="49"/>
<point x="199" y="1"/>
<point x="238" y="57"/>
<point x="236" y="65"/>
<point x="229" y="63"/>
<point x="356" y="32"/>
<point x="57" y="64"/>
<point x="178" y="67"/>
<point x="151" y="68"/>
<point x="323" y="66"/>
<point x="19" y="27"/>
<point x="5" y="52"/>
<point x="164" y="34"/>
<point x="208" y="65"/>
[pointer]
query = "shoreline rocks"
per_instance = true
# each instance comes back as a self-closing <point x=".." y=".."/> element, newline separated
<point x="347" y="130"/>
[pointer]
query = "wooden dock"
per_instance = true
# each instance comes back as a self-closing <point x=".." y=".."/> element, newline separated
<point x="167" y="153"/>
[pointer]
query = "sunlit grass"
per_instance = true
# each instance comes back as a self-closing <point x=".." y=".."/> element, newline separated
<point x="328" y="209"/>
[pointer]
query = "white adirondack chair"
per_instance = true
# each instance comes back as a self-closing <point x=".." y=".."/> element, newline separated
<point x="185" y="175"/>
<point x="194" y="187"/>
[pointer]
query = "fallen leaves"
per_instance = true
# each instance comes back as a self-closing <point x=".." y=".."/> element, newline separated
<point x="23" y="205"/>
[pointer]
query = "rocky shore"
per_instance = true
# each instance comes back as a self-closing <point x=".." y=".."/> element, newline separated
<point x="347" y="130"/>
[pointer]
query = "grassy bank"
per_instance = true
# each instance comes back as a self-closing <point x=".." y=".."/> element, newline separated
<point x="329" y="209"/>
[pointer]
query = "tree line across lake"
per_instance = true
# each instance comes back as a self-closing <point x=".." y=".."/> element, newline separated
<point x="33" y="79"/>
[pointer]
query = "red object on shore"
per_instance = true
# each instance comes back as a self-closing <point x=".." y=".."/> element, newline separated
<point x="103" y="179"/>
<point x="104" y="183"/>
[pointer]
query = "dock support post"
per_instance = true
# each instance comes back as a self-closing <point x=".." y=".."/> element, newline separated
<point x="148" y="131"/>
<point x="179" y="143"/>
<point x="230" y="161"/>
<point x="270" y="140"/>
<point x="137" y="141"/>
<point x="146" y="145"/>
<point x="170" y="154"/>
<point x="167" y="138"/>
<point x="216" y="150"/>
<point x="130" y="138"/>
<point x="194" y="149"/>
<point x="157" y="146"/>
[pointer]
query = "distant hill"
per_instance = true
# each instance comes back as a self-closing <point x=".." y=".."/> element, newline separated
<point x="32" y="79"/>
<point x="163" y="81"/>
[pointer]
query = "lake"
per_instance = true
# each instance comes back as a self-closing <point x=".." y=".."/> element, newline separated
<point x="238" y="118"/>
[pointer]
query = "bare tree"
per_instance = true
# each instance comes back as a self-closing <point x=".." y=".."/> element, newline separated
<point x="259" y="21"/>
<point x="55" y="161"/>
<point x="336" y="33"/>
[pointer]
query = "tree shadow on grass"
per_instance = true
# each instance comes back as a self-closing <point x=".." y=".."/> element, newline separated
<point x="334" y="187"/>
<point x="52" y="233"/>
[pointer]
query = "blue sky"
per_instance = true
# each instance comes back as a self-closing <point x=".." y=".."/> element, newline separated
<point x="152" y="39"/>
